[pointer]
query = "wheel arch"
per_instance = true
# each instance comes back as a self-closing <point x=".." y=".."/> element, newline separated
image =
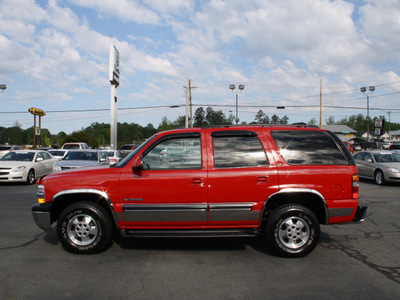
<point x="309" y="198"/>
<point x="65" y="198"/>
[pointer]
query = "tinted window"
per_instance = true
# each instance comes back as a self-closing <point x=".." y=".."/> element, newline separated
<point x="20" y="156"/>
<point x="300" y="147"/>
<point x="238" y="152"/>
<point x="81" y="155"/>
<point x="71" y="146"/>
<point x="46" y="155"/>
<point x="174" y="154"/>
<point x="359" y="155"/>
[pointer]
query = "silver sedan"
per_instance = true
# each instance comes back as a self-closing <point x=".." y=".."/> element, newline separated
<point x="381" y="166"/>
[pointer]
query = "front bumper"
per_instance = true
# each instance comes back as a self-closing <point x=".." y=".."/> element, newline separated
<point x="360" y="213"/>
<point x="42" y="215"/>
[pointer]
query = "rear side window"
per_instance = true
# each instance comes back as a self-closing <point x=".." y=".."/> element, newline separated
<point x="238" y="152"/>
<point x="300" y="147"/>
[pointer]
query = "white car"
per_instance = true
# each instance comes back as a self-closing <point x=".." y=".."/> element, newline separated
<point x="7" y="148"/>
<point x="58" y="153"/>
<point x="25" y="165"/>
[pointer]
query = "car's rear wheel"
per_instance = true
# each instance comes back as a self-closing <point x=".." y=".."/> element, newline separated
<point x="379" y="178"/>
<point x="84" y="227"/>
<point x="292" y="230"/>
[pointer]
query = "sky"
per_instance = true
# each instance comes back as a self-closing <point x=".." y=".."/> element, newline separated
<point x="54" y="55"/>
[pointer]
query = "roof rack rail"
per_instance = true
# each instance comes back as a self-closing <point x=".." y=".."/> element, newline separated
<point x="300" y="124"/>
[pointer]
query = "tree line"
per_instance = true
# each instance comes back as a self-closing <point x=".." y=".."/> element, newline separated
<point x="98" y="134"/>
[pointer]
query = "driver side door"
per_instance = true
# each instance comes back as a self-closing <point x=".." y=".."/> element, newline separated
<point x="170" y="189"/>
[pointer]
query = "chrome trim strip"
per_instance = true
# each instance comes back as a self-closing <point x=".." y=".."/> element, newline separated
<point x="301" y="190"/>
<point x="164" y="207"/>
<point x="231" y="206"/>
<point x="91" y="191"/>
<point x="133" y="199"/>
<point x="164" y="213"/>
<point x="232" y="212"/>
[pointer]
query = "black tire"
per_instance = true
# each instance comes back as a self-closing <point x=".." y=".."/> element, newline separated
<point x="30" y="178"/>
<point x="292" y="230"/>
<point x="380" y="178"/>
<point x="84" y="228"/>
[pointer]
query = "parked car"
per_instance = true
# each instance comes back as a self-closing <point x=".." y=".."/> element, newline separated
<point x="58" y="153"/>
<point x="369" y="145"/>
<point x="81" y="158"/>
<point x="380" y="165"/>
<point x="70" y="146"/>
<point x="112" y="156"/>
<point x="347" y="144"/>
<point x="280" y="182"/>
<point x="7" y="148"/>
<point x="394" y="147"/>
<point x="124" y="150"/>
<point x="25" y="165"/>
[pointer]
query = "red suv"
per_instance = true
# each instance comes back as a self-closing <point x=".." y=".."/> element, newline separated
<point x="232" y="181"/>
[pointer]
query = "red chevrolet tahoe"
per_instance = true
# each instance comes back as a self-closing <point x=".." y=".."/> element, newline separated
<point x="280" y="182"/>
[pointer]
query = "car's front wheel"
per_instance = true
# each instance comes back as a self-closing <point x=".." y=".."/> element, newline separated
<point x="30" y="178"/>
<point x="292" y="230"/>
<point x="379" y="178"/>
<point x="84" y="227"/>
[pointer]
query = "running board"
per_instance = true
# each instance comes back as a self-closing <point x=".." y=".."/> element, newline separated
<point x="199" y="233"/>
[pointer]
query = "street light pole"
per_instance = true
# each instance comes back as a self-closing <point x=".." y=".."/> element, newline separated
<point x="370" y="90"/>
<point x="241" y="88"/>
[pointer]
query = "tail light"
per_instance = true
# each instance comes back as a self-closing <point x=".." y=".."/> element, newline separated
<point x="355" y="184"/>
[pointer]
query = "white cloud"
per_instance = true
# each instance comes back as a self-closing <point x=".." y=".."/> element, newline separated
<point x="125" y="10"/>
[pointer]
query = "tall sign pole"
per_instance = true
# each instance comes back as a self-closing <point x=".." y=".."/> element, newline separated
<point x="114" y="80"/>
<point x="36" y="130"/>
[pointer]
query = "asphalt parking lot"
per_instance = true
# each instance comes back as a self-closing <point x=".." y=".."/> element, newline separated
<point x="358" y="261"/>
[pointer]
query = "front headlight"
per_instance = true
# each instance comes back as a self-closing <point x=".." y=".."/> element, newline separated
<point x="392" y="170"/>
<point x="18" y="169"/>
<point x="56" y="168"/>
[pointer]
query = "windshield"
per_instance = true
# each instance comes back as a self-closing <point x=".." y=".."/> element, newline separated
<point x="18" y="156"/>
<point x="57" y="153"/>
<point x="81" y="155"/>
<point x="71" y="146"/>
<point x="3" y="148"/>
<point x="123" y="162"/>
<point x="387" y="157"/>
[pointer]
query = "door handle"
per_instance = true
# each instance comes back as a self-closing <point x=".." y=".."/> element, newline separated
<point x="197" y="181"/>
<point x="262" y="179"/>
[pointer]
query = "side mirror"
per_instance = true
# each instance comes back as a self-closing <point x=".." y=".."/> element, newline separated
<point x="137" y="164"/>
<point x="39" y="159"/>
<point x="369" y="160"/>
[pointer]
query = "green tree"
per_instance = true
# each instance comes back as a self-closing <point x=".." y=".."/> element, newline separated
<point x="199" y="118"/>
<point x="215" y="117"/>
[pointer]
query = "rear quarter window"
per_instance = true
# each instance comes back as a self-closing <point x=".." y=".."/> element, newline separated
<point x="307" y="147"/>
<point x="238" y="152"/>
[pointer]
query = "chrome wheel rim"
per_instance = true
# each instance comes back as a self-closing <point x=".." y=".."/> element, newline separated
<point x="31" y="177"/>
<point x="82" y="230"/>
<point x="379" y="178"/>
<point x="294" y="232"/>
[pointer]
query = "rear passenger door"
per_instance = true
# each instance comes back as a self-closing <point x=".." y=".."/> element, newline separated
<point x="240" y="178"/>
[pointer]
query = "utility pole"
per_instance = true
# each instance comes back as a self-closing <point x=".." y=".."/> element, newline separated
<point x="320" y="104"/>
<point x="189" y="104"/>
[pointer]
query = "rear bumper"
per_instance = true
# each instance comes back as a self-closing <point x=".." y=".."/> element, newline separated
<point x="42" y="216"/>
<point x="360" y="213"/>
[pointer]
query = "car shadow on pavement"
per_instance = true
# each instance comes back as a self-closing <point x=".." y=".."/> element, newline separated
<point x="192" y="244"/>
